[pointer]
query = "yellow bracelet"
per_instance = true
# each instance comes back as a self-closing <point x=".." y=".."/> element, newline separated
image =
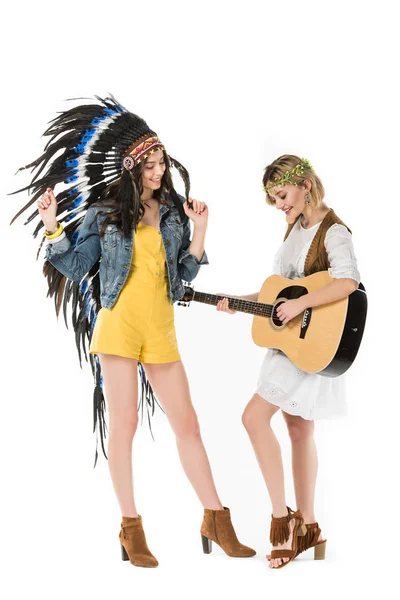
<point x="51" y="236"/>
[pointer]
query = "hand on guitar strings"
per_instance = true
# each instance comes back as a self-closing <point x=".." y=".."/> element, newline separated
<point x="289" y="310"/>
<point x="223" y="304"/>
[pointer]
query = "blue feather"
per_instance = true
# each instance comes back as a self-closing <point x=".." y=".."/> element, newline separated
<point x="74" y="238"/>
<point x="71" y="179"/>
<point x="71" y="163"/>
<point x="74" y="190"/>
<point x="77" y="201"/>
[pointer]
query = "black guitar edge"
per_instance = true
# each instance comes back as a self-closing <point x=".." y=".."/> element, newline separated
<point x="352" y="334"/>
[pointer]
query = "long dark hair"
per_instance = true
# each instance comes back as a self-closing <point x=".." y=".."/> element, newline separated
<point x="124" y="196"/>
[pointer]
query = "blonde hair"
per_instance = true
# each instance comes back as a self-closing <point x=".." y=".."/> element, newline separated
<point x="288" y="162"/>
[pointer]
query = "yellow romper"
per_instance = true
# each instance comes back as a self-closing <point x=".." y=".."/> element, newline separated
<point x="140" y="325"/>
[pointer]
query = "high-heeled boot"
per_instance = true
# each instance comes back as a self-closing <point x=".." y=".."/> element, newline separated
<point x="133" y="543"/>
<point x="217" y="527"/>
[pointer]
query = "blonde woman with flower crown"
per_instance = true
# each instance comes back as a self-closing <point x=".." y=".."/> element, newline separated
<point x="316" y="240"/>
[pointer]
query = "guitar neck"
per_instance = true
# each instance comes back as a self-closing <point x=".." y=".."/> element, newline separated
<point x="246" y="306"/>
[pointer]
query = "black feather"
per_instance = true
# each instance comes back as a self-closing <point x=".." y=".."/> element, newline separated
<point x="83" y="154"/>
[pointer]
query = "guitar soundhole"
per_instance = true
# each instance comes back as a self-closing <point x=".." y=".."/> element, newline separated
<point x="275" y="319"/>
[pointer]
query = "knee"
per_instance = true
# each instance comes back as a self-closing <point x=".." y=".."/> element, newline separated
<point x="247" y="418"/>
<point x="124" y="425"/>
<point x="300" y="430"/>
<point x="187" y="429"/>
<point x="251" y="417"/>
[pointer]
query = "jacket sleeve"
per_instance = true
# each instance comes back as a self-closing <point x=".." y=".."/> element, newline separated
<point x="188" y="264"/>
<point x="76" y="262"/>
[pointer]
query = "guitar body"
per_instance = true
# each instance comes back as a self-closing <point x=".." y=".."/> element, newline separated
<point x="324" y="339"/>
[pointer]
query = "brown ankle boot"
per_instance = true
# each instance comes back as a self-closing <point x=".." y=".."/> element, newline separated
<point x="217" y="527"/>
<point x="133" y="543"/>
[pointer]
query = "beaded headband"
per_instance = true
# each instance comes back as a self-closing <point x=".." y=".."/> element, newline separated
<point x="286" y="178"/>
<point x="140" y="150"/>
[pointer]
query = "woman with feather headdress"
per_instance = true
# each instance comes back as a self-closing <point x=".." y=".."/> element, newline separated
<point x="119" y="246"/>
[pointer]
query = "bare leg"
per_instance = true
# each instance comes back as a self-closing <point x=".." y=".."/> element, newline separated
<point x="257" y="421"/>
<point x="121" y="386"/>
<point x="304" y="464"/>
<point x="171" y="387"/>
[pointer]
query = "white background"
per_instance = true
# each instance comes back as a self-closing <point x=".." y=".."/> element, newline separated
<point x="228" y="86"/>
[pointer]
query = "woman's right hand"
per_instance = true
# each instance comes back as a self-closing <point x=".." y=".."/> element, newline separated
<point x="47" y="206"/>
<point x="223" y="304"/>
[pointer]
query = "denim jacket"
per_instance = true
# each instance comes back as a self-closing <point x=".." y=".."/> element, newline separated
<point x="115" y="253"/>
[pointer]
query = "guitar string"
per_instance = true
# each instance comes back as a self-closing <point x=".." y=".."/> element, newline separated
<point x="243" y="304"/>
<point x="264" y="310"/>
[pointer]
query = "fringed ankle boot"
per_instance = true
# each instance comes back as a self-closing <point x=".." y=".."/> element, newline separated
<point x="217" y="527"/>
<point x="133" y="543"/>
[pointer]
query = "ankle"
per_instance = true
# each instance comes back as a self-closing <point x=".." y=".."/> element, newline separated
<point x="214" y="507"/>
<point x="308" y="517"/>
<point x="130" y="515"/>
<point x="279" y="511"/>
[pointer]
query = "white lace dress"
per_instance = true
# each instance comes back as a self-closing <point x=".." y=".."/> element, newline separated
<point x="307" y="395"/>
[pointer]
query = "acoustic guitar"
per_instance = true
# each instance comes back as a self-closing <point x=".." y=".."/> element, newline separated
<point x="323" y="339"/>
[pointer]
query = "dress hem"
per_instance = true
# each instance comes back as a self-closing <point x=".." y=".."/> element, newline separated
<point x="292" y="412"/>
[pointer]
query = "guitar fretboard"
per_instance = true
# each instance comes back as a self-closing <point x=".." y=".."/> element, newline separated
<point x="246" y="306"/>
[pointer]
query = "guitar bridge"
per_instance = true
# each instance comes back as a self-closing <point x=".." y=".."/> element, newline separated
<point x="305" y="322"/>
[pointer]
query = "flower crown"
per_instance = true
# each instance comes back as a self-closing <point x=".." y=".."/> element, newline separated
<point x="297" y="171"/>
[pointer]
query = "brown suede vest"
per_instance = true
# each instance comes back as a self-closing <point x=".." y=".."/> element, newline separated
<point x="317" y="257"/>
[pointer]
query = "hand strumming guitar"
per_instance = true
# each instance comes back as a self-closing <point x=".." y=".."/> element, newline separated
<point x="290" y="309"/>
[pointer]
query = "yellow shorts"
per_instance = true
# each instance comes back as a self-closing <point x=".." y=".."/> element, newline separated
<point x="140" y="325"/>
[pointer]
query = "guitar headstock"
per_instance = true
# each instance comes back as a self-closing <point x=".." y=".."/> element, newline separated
<point x="188" y="295"/>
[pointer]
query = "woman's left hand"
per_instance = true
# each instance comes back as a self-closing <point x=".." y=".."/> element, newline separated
<point x="289" y="309"/>
<point x="198" y="214"/>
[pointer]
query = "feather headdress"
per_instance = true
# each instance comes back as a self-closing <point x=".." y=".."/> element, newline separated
<point x="90" y="147"/>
